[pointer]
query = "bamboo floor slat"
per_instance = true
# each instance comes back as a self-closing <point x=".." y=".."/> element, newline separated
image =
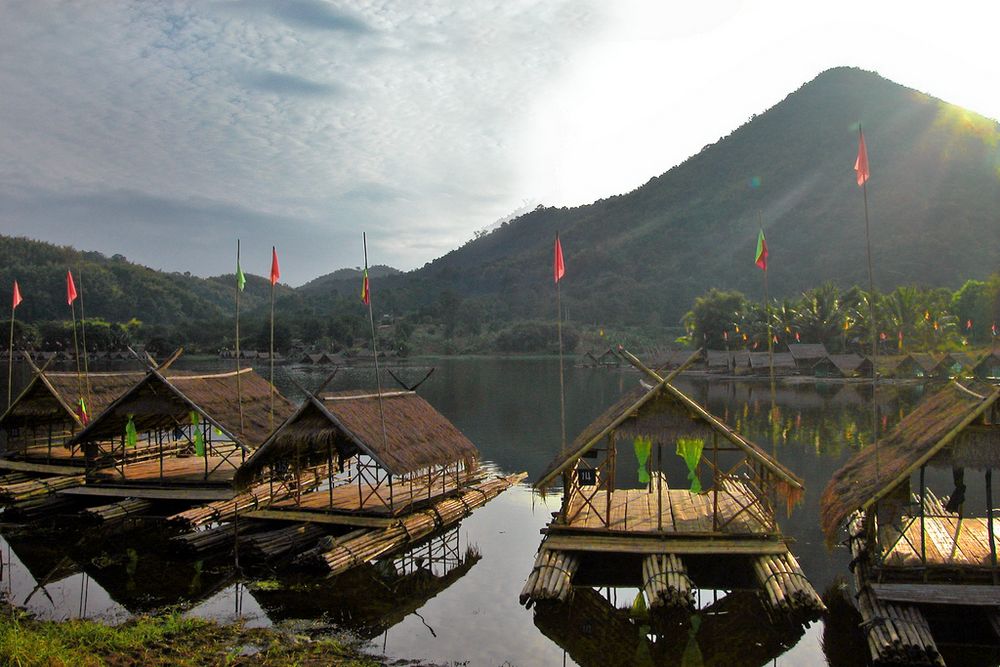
<point x="948" y="540"/>
<point x="346" y="497"/>
<point x="635" y="510"/>
<point x="176" y="470"/>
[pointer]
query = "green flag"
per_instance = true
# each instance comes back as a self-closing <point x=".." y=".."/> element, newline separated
<point x="199" y="439"/>
<point x="241" y="280"/>
<point x="643" y="446"/>
<point x="690" y="450"/>
<point x="131" y="437"/>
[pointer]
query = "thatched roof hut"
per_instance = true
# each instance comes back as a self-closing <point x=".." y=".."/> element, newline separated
<point x="807" y="354"/>
<point x="718" y="360"/>
<point x="760" y="363"/>
<point x="416" y="436"/>
<point x="166" y="401"/>
<point x="663" y="413"/>
<point x="839" y="365"/>
<point x="941" y="421"/>
<point x="54" y="397"/>
<point x="988" y="368"/>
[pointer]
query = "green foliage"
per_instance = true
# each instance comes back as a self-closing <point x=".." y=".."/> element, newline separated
<point x="928" y="319"/>
<point x="539" y="337"/>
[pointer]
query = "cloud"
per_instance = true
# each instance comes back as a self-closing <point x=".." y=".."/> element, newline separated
<point x="289" y="84"/>
<point x="127" y="123"/>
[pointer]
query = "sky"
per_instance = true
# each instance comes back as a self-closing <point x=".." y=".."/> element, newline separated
<point x="164" y="131"/>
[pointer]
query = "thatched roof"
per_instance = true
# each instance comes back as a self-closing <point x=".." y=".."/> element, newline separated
<point x="718" y="358"/>
<point x="762" y="360"/>
<point x="985" y="367"/>
<point x="54" y="397"/>
<point x="807" y="351"/>
<point x="845" y="364"/>
<point x="663" y="413"/>
<point x="918" y="437"/>
<point x="165" y="401"/>
<point x="416" y="435"/>
<point x="925" y="360"/>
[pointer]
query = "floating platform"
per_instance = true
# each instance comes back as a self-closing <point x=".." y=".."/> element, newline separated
<point x="668" y="542"/>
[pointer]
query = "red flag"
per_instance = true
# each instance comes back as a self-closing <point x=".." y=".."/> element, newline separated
<point x="17" y="296"/>
<point x="725" y="336"/>
<point x="900" y="336"/>
<point x="968" y="324"/>
<point x="275" y="271"/>
<point x="882" y="336"/>
<point x="70" y="289"/>
<point x="861" y="164"/>
<point x="559" y="267"/>
<point x="366" y="294"/>
<point x="994" y="328"/>
<point x="797" y="339"/>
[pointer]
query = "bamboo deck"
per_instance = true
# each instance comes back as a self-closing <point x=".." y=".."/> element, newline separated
<point x="176" y="471"/>
<point x="948" y="543"/>
<point x="347" y="498"/>
<point x="636" y="511"/>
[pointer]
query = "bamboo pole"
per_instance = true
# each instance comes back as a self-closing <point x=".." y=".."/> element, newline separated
<point x="10" y="355"/>
<point x="239" y="288"/>
<point x="83" y="332"/>
<point x="270" y="355"/>
<point x="871" y="312"/>
<point x="371" y="320"/>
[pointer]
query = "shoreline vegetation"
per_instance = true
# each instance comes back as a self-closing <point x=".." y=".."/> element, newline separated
<point x="165" y="639"/>
<point x="908" y="319"/>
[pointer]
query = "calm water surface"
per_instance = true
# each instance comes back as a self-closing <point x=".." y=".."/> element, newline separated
<point x="468" y="611"/>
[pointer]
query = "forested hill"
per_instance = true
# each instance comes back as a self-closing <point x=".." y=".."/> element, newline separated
<point x="642" y="257"/>
<point x="116" y="289"/>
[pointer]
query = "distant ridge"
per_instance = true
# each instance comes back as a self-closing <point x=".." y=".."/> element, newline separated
<point x="641" y="257"/>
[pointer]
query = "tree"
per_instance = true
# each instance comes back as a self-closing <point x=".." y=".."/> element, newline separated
<point x="716" y="312"/>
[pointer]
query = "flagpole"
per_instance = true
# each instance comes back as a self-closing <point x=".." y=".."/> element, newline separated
<point x="270" y="355"/>
<point x="871" y="309"/>
<point x="239" y="385"/>
<point x="83" y="331"/>
<point x="371" y="320"/>
<point x="562" y="385"/>
<point x="10" y="357"/>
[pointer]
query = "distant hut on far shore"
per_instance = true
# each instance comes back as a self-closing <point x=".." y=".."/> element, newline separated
<point x="806" y="355"/>
<point x="988" y="368"/>
<point x="839" y="366"/>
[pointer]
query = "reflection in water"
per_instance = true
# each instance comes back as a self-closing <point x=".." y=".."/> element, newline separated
<point x="510" y="409"/>
<point x="736" y="630"/>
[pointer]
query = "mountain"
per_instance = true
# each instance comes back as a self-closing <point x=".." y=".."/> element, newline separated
<point x="641" y="257"/>
<point x="344" y="278"/>
<point x="118" y="290"/>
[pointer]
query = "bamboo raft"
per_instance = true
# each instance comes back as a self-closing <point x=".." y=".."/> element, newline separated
<point x="785" y="584"/>
<point x="256" y="497"/>
<point x="36" y="508"/>
<point x="365" y="545"/>
<point x="666" y="582"/>
<point x="272" y="544"/>
<point x="115" y="512"/>
<point x="551" y="578"/>
<point x="40" y="487"/>
<point x="898" y="634"/>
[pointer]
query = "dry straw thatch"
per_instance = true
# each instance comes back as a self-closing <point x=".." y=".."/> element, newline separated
<point x="165" y="401"/>
<point x="663" y="413"/>
<point x="52" y="397"/>
<point x="919" y="436"/>
<point x="416" y="435"/>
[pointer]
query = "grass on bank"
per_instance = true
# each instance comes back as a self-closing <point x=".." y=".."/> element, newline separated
<point x="169" y="639"/>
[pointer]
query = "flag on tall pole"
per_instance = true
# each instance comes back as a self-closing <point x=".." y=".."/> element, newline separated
<point x="275" y="275"/>
<point x="760" y="258"/>
<point x="71" y="295"/>
<point x="241" y="282"/>
<point x="863" y="173"/>
<point x="558" y="271"/>
<point x="86" y="354"/>
<point x="366" y="297"/>
<point x="15" y="301"/>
